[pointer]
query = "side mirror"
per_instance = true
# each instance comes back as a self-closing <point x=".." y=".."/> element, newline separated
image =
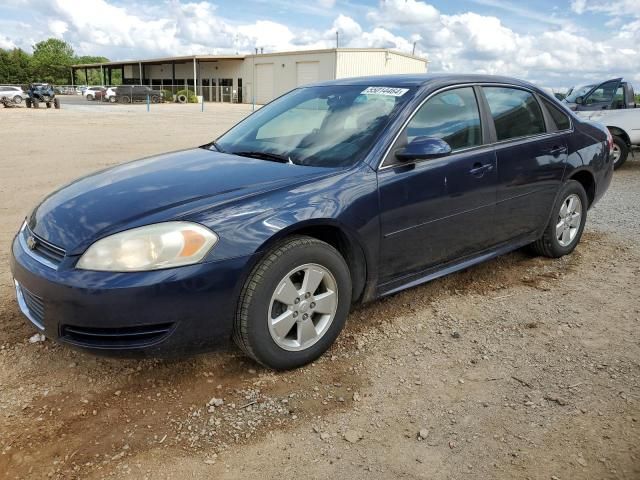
<point x="579" y="100"/>
<point x="422" y="148"/>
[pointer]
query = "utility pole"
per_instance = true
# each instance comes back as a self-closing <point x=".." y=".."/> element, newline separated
<point x="413" y="52"/>
<point x="337" y="39"/>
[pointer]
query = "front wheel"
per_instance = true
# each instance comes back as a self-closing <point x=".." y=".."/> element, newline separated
<point x="17" y="99"/>
<point x="566" y="224"/>
<point x="125" y="99"/>
<point x="294" y="304"/>
<point x="620" y="152"/>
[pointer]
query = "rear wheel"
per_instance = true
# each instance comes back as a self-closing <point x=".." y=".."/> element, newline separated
<point x="620" y="152"/>
<point x="155" y="99"/>
<point x="48" y="104"/>
<point x="566" y="224"/>
<point x="17" y="99"/>
<point x="294" y="304"/>
<point x="125" y="99"/>
<point x="35" y="103"/>
<point x="56" y="103"/>
<point x="90" y="97"/>
<point x="28" y="102"/>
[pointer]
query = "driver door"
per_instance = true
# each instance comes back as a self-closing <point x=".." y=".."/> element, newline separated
<point x="438" y="210"/>
<point x="601" y="96"/>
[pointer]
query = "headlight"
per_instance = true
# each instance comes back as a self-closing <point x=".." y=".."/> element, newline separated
<point x="162" y="245"/>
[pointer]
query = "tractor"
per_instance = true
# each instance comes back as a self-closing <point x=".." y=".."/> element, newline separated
<point x="42" y="93"/>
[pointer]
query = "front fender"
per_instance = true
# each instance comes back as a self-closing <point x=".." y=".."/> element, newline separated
<point x="347" y="201"/>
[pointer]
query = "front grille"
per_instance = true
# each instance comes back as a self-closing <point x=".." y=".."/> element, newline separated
<point x="31" y="305"/>
<point x="124" y="337"/>
<point x="42" y="250"/>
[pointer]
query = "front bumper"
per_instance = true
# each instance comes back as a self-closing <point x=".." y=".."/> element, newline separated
<point x="174" y="311"/>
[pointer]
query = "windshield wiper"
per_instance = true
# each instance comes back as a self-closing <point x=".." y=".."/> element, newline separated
<point x="274" y="157"/>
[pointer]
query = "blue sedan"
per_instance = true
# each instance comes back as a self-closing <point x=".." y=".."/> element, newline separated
<point x="331" y="195"/>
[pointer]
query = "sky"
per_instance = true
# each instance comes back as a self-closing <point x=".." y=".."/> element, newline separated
<point x="555" y="44"/>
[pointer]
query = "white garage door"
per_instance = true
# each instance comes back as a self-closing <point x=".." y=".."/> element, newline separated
<point x="264" y="82"/>
<point x="307" y="72"/>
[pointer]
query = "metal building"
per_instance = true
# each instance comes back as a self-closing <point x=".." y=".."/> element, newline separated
<point x="231" y="78"/>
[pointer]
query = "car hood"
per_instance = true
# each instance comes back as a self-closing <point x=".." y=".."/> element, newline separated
<point x="155" y="189"/>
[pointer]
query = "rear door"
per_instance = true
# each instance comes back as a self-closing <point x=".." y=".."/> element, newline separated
<point x="602" y="96"/>
<point x="531" y="158"/>
<point x="438" y="210"/>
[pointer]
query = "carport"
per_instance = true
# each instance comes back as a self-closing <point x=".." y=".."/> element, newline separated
<point x="214" y="77"/>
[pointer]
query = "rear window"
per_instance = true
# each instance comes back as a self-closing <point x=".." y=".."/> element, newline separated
<point x="516" y="112"/>
<point x="560" y="118"/>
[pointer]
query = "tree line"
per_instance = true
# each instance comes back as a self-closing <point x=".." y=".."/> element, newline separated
<point x="50" y="62"/>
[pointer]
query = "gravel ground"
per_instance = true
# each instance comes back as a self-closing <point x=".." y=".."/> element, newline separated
<point x="522" y="367"/>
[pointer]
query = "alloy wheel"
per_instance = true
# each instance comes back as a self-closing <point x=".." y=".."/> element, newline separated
<point x="569" y="219"/>
<point x="302" y="307"/>
<point x="616" y="153"/>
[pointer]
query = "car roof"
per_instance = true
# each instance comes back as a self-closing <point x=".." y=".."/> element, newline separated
<point x="419" y="80"/>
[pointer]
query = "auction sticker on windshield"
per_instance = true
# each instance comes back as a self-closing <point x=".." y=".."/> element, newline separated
<point x="389" y="91"/>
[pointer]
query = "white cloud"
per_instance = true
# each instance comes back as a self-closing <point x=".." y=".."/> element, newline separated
<point x="403" y="12"/>
<point x="58" y="27"/>
<point x="579" y="6"/>
<point x="623" y="8"/>
<point x="7" y="43"/>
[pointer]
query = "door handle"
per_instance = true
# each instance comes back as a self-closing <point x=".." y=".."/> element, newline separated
<point x="557" y="150"/>
<point x="478" y="170"/>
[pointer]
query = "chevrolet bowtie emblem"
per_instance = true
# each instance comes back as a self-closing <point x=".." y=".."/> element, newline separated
<point x="32" y="243"/>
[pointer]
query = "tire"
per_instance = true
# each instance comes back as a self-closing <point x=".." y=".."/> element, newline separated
<point x="182" y="98"/>
<point x="56" y="103"/>
<point x="35" y="103"/>
<point x="17" y="99"/>
<point x="90" y="98"/>
<point x="28" y="102"/>
<point x="254" y="330"/>
<point x="48" y="104"/>
<point x="125" y="99"/>
<point x="155" y="99"/>
<point x="622" y="149"/>
<point x="551" y="244"/>
<point x="112" y="99"/>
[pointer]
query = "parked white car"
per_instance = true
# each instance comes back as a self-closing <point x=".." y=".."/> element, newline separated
<point x="13" y="93"/>
<point x="90" y="92"/>
<point x="110" y="94"/>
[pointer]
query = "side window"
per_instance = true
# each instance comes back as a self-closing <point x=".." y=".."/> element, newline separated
<point x="618" y="99"/>
<point x="515" y="112"/>
<point x="603" y="94"/>
<point x="560" y="118"/>
<point x="452" y="116"/>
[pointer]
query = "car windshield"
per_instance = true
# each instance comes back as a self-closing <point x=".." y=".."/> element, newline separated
<point x="324" y="126"/>
<point x="579" y="91"/>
